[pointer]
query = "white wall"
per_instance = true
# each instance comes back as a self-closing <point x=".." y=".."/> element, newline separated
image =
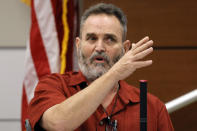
<point x="11" y="79"/>
<point x="14" y="31"/>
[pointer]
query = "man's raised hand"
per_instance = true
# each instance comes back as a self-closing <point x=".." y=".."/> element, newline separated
<point x="132" y="59"/>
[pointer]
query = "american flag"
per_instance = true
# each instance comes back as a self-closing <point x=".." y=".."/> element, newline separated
<point x="50" y="47"/>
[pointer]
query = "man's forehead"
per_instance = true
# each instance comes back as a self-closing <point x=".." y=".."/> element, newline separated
<point x="101" y="19"/>
<point x="95" y="34"/>
<point x="102" y="24"/>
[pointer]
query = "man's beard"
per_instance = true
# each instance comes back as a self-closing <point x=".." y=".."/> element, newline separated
<point x="92" y="70"/>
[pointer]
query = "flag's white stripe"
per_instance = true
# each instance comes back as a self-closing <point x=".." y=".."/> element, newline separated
<point x="46" y="22"/>
<point x="31" y="78"/>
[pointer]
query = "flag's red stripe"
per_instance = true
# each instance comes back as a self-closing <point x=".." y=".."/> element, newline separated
<point x="57" y="11"/>
<point x="37" y="48"/>
<point x="77" y="26"/>
<point x="70" y="20"/>
<point x="24" y="106"/>
<point x="73" y="21"/>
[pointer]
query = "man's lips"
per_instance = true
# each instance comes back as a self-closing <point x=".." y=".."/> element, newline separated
<point x="99" y="59"/>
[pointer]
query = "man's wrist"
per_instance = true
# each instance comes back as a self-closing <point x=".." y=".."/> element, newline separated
<point x="111" y="74"/>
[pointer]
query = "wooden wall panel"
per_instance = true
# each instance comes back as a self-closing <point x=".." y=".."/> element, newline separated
<point x="168" y="23"/>
<point x="172" y="74"/>
<point x="185" y="118"/>
<point x="173" y="27"/>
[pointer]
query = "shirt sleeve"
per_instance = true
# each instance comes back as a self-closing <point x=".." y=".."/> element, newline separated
<point x="48" y="93"/>
<point x="164" y="122"/>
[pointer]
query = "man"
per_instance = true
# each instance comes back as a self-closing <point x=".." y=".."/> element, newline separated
<point x="96" y="98"/>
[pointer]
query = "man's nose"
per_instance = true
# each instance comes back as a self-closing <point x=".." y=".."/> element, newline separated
<point x="100" y="46"/>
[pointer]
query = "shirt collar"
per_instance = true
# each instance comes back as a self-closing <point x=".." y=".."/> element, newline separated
<point x="76" y="78"/>
<point x="128" y="93"/>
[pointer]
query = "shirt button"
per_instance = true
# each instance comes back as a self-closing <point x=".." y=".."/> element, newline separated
<point x="101" y="123"/>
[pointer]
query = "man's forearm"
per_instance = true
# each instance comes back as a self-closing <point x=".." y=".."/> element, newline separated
<point x="72" y="112"/>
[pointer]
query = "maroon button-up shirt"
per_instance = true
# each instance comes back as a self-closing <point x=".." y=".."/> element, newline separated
<point x="55" y="88"/>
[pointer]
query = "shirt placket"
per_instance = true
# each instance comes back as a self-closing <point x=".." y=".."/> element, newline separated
<point x="101" y="123"/>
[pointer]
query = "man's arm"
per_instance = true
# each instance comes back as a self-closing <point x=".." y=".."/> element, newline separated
<point x="72" y="112"/>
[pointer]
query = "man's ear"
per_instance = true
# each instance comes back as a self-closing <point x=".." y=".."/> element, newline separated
<point x="77" y="42"/>
<point x="127" y="45"/>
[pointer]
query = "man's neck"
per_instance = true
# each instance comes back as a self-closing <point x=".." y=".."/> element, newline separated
<point x="108" y="99"/>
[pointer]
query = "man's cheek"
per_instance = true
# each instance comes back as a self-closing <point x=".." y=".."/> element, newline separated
<point x="86" y="54"/>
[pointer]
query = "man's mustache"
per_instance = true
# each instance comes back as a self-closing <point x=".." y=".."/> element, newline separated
<point x="100" y="54"/>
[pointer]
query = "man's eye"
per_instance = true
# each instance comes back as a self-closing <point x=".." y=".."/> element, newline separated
<point x="110" y="40"/>
<point x="92" y="38"/>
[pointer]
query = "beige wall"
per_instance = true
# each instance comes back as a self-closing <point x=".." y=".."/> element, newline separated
<point x="14" y="23"/>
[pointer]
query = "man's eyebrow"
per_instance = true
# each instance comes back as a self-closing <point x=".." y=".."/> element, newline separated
<point x="111" y="35"/>
<point x="90" y="34"/>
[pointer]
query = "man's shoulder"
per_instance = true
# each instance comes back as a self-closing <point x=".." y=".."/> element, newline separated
<point x="135" y="93"/>
<point x="66" y="75"/>
<point x="70" y="78"/>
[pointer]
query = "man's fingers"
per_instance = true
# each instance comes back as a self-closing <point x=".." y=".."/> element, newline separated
<point x="142" y="47"/>
<point x="142" y="54"/>
<point x="144" y="40"/>
<point x="141" y="64"/>
<point x="132" y="46"/>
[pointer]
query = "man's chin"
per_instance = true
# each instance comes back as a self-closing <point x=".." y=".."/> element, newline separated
<point x="99" y="68"/>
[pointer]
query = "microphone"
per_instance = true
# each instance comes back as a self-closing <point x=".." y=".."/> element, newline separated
<point x="143" y="105"/>
<point x="113" y="123"/>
